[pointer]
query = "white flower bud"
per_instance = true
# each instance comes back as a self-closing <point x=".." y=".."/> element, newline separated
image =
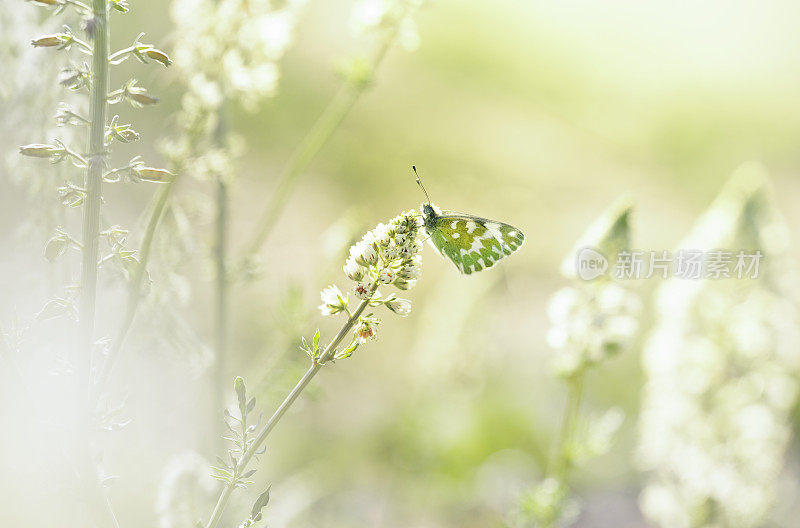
<point x="353" y="270"/>
<point x="366" y="254"/>
<point x="381" y="233"/>
<point x="390" y="253"/>
<point x="333" y="301"/>
<point x="411" y="271"/>
<point x="401" y="307"/>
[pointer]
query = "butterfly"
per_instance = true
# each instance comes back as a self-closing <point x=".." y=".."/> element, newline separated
<point x="471" y="242"/>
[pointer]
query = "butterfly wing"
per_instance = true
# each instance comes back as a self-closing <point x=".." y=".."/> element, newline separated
<point x="473" y="243"/>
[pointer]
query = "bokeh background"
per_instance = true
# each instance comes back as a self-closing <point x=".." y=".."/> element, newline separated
<point x="536" y="113"/>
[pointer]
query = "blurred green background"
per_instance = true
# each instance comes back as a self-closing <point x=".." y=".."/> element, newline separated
<point x="536" y="113"/>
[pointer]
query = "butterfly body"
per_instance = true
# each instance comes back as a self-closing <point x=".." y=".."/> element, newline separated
<point x="471" y="242"/>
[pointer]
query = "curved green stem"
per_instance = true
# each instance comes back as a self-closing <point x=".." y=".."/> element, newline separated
<point x="221" y="283"/>
<point x="562" y="461"/>
<point x="135" y="286"/>
<point x="247" y="456"/>
<point x="320" y="133"/>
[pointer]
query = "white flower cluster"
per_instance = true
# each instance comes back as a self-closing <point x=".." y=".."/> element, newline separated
<point x="229" y="48"/>
<point x="387" y="255"/>
<point x="591" y="322"/>
<point x="722" y="368"/>
<point x="378" y="15"/>
<point x="715" y="417"/>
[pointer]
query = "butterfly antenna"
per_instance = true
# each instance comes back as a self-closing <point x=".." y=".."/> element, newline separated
<point x="419" y="182"/>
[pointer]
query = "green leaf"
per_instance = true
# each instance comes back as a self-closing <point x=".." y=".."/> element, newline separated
<point x="54" y="308"/>
<point x="316" y="341"/>
<point x="222" y="471"/>
<point x="260" y="503"/>
<point x="241" y="393"/>
<point x="347" y="352"/>
<point x="55" y="247"/>
<point x="230" y="428"/>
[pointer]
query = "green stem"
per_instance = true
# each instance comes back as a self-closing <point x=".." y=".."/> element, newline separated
<point x="135" y="286"/>
<point x="221" y="283"/>
<point x="221" y="293"/>
<point x="92" y="202"/>
<point x="91" y="227"/>
<point x="320" y="133"/>
<point x="562" y="462"/>
<point x="243" y="462"/>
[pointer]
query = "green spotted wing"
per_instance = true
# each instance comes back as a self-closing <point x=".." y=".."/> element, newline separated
<point x="471" y="242"/>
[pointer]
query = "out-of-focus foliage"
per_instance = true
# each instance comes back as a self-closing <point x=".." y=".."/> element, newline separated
<point x="534" y="113"/>
<point x="592" y="322"/>
<point x="722" y="369"/>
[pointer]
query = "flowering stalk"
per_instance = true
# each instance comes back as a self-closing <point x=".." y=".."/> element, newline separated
<point x="721" y="374"/>
<point x="591" y="322"/>
<point x="101" y="133"/>
<point x="389" y="254"/>
<point x="226" y="59"/>
<point x="562" y="461"/>
<point x="92" y="200"/>
<point x="221" y="284"/>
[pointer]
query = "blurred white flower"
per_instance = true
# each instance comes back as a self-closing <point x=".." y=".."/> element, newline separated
<point x="715" y="418"/>
<point x="234" y="44"/>
<point x="185" y="489"/>
<point x="384" y="15"/>
<point x="590" y="322"/>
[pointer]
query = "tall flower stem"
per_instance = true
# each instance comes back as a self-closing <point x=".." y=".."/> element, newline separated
<point x="243" y="462"/>
<point x="221" y="315"/>
<point x="221" y="280"/>
<point x="98" y="105"/>
<point x="562" y="459"/>
<point x="320" y="133"/>
<point x="91" y="207"/>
